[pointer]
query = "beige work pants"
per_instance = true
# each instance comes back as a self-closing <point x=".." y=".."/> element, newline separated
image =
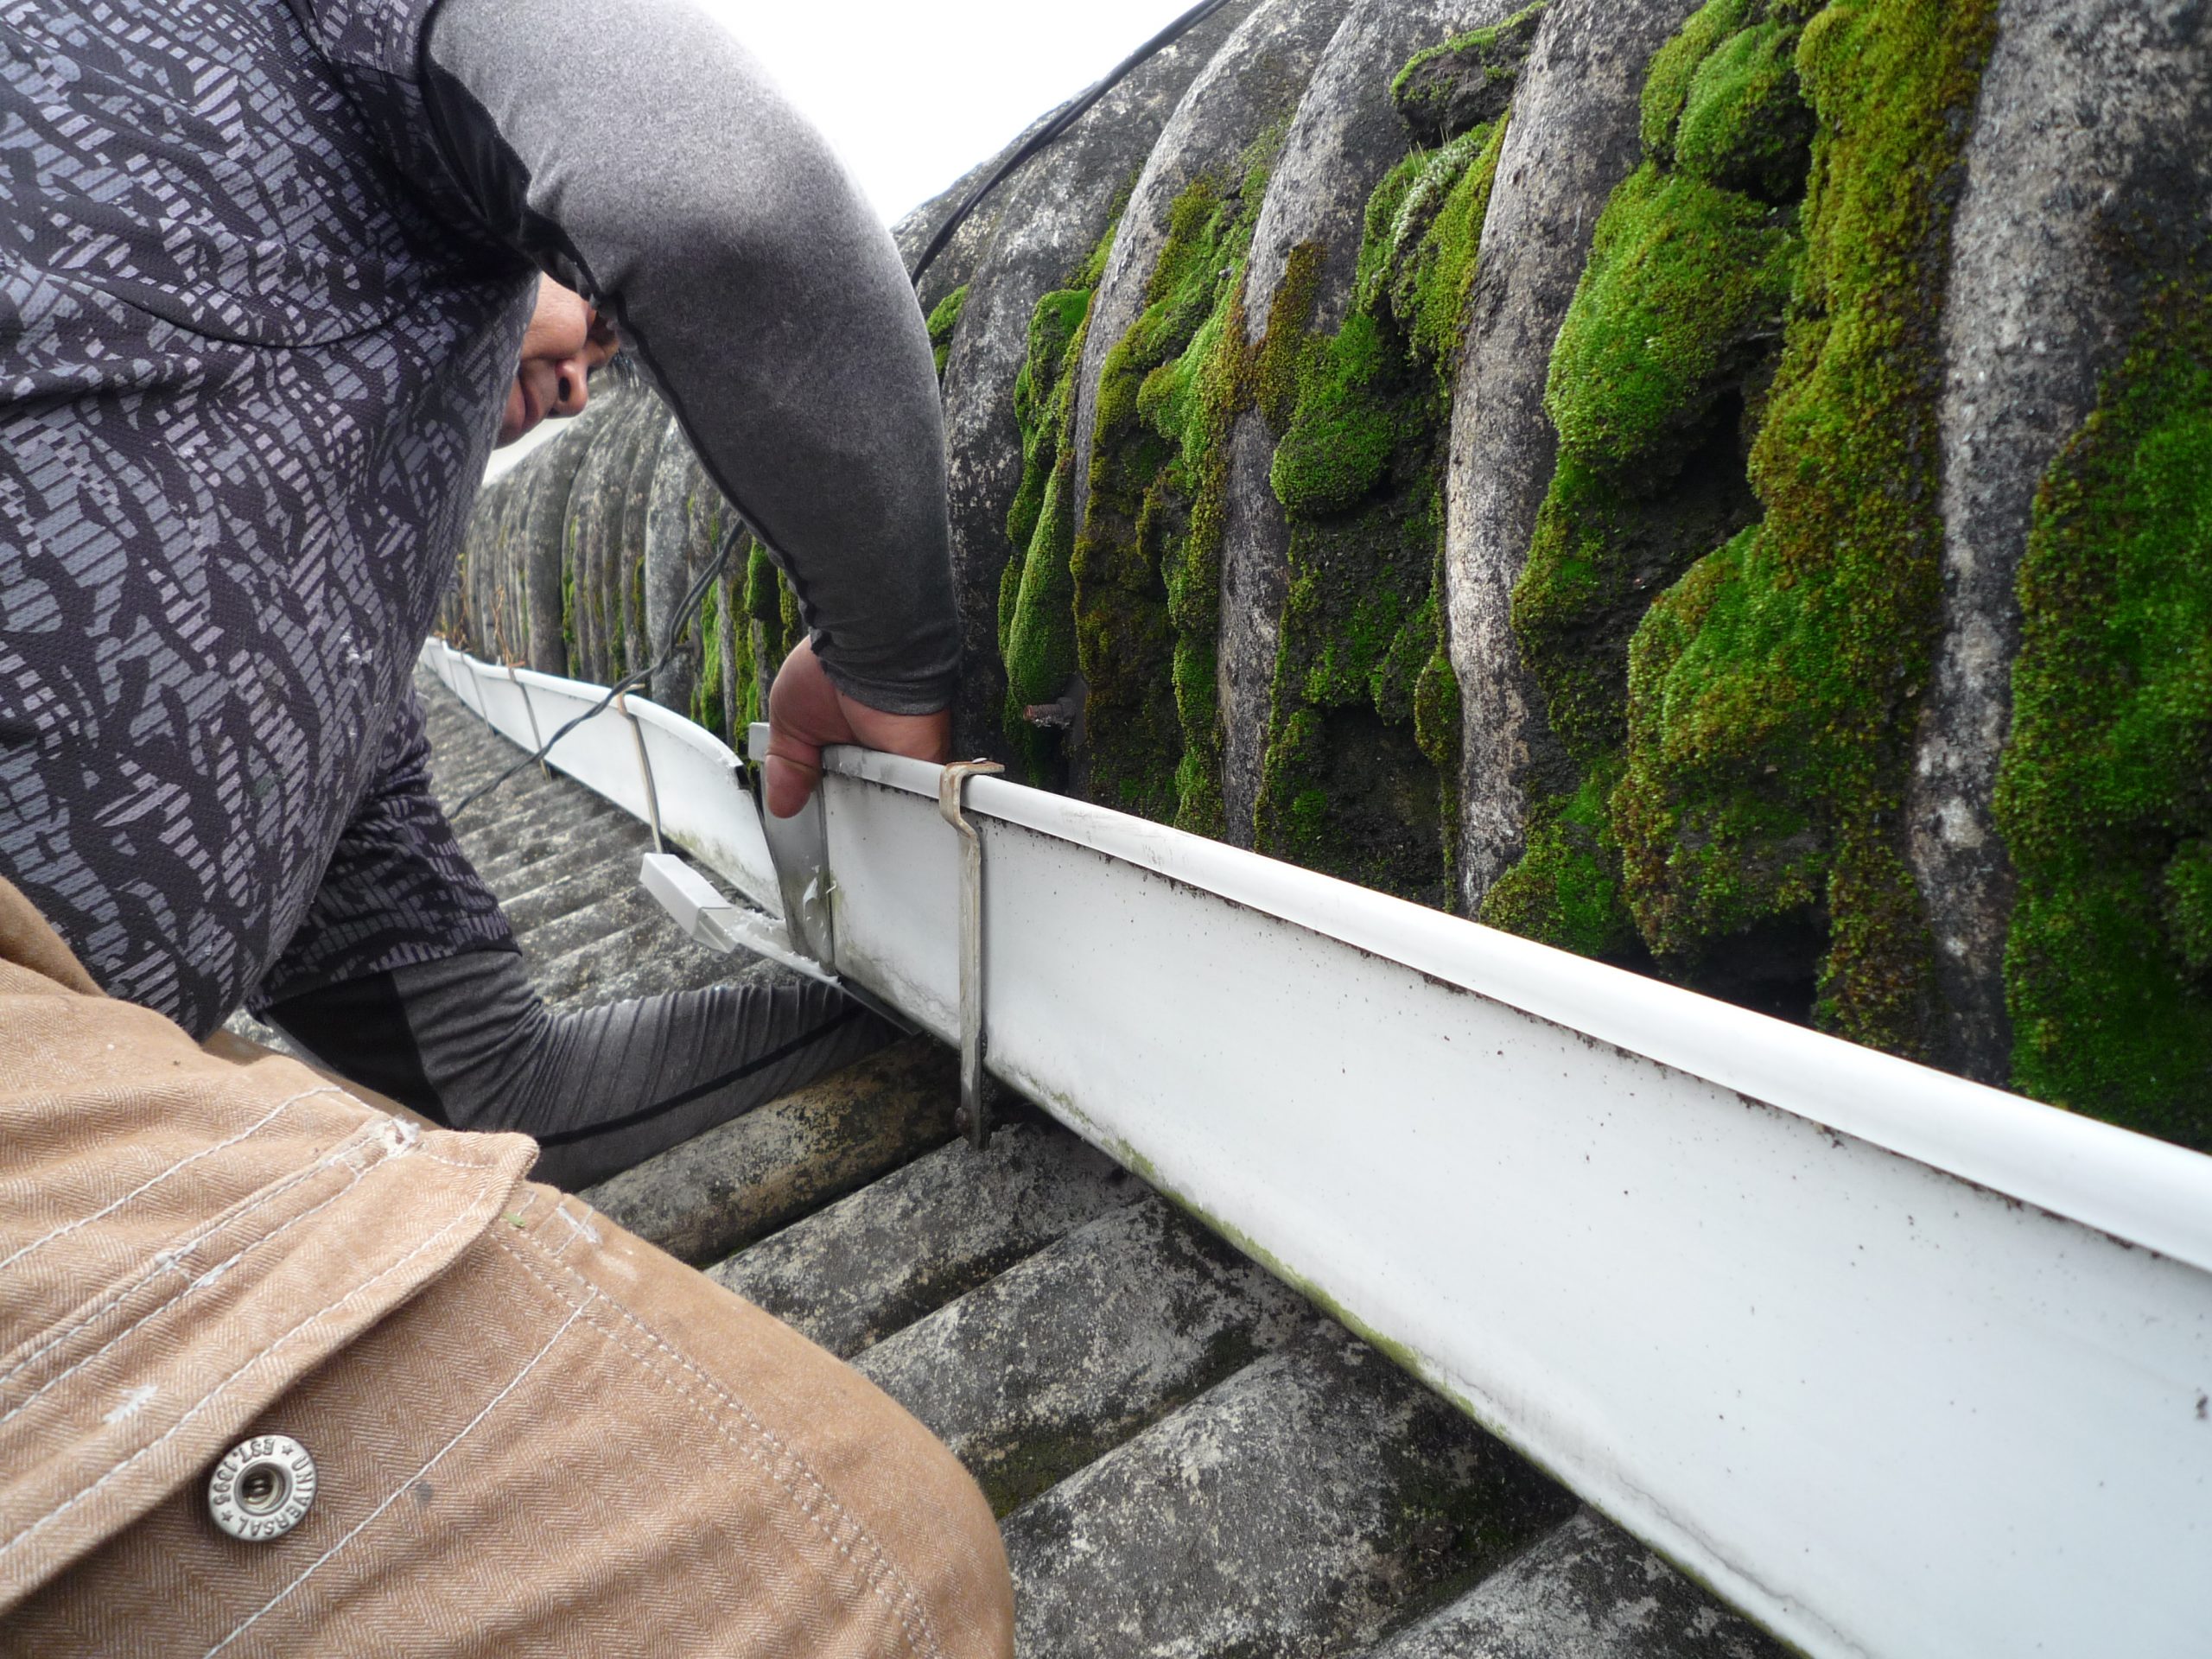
<point x="533" y="1433"/>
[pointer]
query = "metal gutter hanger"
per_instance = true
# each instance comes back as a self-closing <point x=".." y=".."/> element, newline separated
<point x="975" y="1118"/>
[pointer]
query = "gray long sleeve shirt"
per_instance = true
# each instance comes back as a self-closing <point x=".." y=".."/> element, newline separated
<point x="265" y="266"/>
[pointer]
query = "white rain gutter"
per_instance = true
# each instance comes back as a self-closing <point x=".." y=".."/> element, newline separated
<point x="1896" y="1363"/>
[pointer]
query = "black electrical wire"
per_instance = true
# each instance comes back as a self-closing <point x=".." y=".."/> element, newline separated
<point x="627" y="683"/>
<point x="1066" y="116"/>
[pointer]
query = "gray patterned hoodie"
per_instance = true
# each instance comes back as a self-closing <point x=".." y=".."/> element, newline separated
<point x="265" y="266"/>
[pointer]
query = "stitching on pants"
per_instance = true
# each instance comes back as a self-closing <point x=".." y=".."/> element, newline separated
<point x="166" y="1260"/>
<point x="579" y="1231"/>
<point x="194" y="1281"/>
<point x="246" y="1133"/>
<point x="913" y="1615"/>
<point x="467" y="1429"/>
<point x="210" y="1397"/>
<point x="475" y="1164"/>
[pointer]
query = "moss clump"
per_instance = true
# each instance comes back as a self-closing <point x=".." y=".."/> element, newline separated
<point x="1565" y="889"/>
<point x="2188" y="894"/>
<point x="1360" y="773"/>
<point x="1037" y="589"/>
<point x="726" y="695"/>
<point x="944" y="323"/>
<point x="1683" y="297"/>
<point x="1467" y="81"/>
<point x="1674" y="66"/>
<point x="1346" y="428"/>
<point x="771" y="618"/>
<point x="1744" y="126"/>
<point x="1772" y="690"/>
<point x="1147" y="561"/>
<point x="707" y="685"/>
<point x="1671" y="338"/>
<point x="2104" y="793"/>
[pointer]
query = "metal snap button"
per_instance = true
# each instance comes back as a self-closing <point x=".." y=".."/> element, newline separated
<point x="262" y="1488"/>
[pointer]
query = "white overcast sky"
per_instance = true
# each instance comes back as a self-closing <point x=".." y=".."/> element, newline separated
<point x="914" y="94"/>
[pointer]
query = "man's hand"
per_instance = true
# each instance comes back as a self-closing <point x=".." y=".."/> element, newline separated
<point x="806" y="714"/>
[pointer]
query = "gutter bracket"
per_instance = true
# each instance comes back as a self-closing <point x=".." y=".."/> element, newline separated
<point x="974" y="1116"/>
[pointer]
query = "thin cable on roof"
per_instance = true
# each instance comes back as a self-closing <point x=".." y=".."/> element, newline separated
<point x="1066" y="116"/>
<point x="628" y="682"/>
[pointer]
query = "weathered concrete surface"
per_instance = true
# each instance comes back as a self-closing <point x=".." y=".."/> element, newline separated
<point x="1290" y="1511"/>
<point x="673" y="525"/>
<point x="597" y="936"/>
<point x="549" y="476"/>
<point x="1051" y="215"/>
<point x="655" y="431"/>
<point x="594" y="868"/>
<point x="1066" y="1356"/>
<point x="717" y="1193"/>
<point x="2092" y="145"/>
<point x="956" y="264"/>
<point x="1253" y="84"/>
<point x="906" y="1245"/>
<point x="1588" y="1590"/>
<point x="593" y="529"/>
<point x="1572" y="138"/>
<point x="1346" y="138"/>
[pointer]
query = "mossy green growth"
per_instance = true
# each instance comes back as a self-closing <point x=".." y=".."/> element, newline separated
<point x="1433" y="93"/>
<point x="1683" y="296"/>
<point x="2104" y="795"/>
<point x="1565" y="889"/>
<point x="944" y="323"/>
<point x="1428" y="259"/>
<point x="1674" y="66"/>
<point x="725" y="695"/>
<point x="1146" y="560"/>
<point x="1037" y="589"/>
<point x="771" y="610"/>
<point x="1039" y="393"/>
<point x="1772" y="691"/>
<point x="1359" y="777"/>
<point x="1745" y="125"/>
<point x="2188" y="905"/>
<point x="707" y="685"/>
<point x="1672" y="334"/>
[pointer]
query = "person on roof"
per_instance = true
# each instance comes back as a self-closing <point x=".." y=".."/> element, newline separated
<point x="258" y="351"/>
<point x="270" y="267"/>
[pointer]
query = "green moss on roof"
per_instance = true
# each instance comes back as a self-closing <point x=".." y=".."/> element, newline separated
<point x="1360" y="773"/>
<point x="1772" y="693"/>
<point x="1671" y="336"/>
<point x="2104" y="793"/>
<point x="1036" y="590"/>
<point x="1147" y="557"/>
<point x="1497" y="52"/>
<point x="1745" y="125"/>
<point x="944" y="323"/>
<point x="1684" y="286"/>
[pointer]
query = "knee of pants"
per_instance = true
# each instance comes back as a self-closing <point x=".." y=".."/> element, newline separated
<point x="570" y="1443"/>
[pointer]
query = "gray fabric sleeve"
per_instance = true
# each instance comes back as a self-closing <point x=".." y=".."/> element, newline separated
<point x="646" y="159"/>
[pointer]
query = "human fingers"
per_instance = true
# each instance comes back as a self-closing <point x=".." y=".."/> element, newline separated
<point x="804" y="715"/>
